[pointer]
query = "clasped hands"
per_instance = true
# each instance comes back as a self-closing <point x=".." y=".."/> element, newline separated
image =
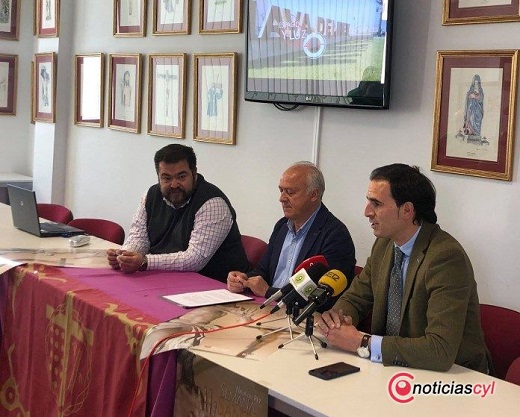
<point x="338" y="329"/>
<point x="126" y="261"/>
<point x="237" y="282"/>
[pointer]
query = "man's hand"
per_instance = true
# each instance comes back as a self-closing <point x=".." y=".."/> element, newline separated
<point x="129" y="261"/>
<point x="236" y="281"/>
<point x="338" y="330"/>
<point x="112" y="255"/>
<point x="257" y="285"/>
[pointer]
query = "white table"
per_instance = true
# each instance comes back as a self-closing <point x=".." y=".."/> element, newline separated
<point x="11" y="237"/>
<point x="366" y="393"/>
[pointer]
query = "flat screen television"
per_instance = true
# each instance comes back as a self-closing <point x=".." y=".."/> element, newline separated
<point x="319" y="52"/>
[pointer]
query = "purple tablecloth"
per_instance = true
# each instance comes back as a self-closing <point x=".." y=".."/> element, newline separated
<point x="144" y="291"/>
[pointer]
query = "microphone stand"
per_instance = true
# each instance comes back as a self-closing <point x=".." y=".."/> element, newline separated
<point x="309" y="333"/>
<point x="292" y="309"/>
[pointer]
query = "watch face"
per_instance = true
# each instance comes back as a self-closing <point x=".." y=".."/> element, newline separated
<point x="364" y="352"/>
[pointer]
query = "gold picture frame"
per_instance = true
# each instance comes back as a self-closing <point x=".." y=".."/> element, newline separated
<point x="8" y="84"/>
<point x="474" y="117"/>
<point x="44" y="79"/>
<point x="10" y="21"/>
<point x="129" y="19"/>
<point x="220" y="16"/>
<point x="171" y="17"/>
<point x="124" y="107"/>
<point x="89" y="88"/>
<point x="166" y="95"/>
<point x="47" y="18"/>
<point x="460" y="12"/>
<point x="215" y="98"/>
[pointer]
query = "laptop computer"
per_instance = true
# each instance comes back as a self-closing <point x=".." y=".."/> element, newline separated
<point x="25" y="215"/>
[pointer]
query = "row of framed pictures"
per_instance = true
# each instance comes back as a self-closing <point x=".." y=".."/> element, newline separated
<point x="214" y="93"/>
<point x="172" y="17"/>
<point x="46" y="18"/>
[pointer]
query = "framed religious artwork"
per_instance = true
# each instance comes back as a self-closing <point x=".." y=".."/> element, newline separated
<point x="215" y="97"/>
<point x="44" y="81"/>
<point x="129" y="18"/>
<point x="220" y="16"/>
<point x="89" y="89"/>
<point x="171" y="17"/>
<point x="474" y="115"/>
<point x="458" y="12"/>
<point x="8" y="84"/>
<point x="166" y="95"/>
<point x="124" y="109"/>
<point x="47" y="18"/>
<point x="9" y="19"/>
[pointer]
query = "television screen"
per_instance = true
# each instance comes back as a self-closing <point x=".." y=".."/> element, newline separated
<point x="319" y="52"/>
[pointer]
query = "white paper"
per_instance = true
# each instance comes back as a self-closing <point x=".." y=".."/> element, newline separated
<point x="206" y="298"/>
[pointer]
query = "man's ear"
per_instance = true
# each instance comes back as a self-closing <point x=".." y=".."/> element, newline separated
<point x="315" y="194"/>
<point x="408" y="210"/>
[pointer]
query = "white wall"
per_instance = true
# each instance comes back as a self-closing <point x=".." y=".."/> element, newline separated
<point x="107" y="171"/>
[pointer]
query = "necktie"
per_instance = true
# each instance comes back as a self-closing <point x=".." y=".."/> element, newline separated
<point x="395" y="295"/>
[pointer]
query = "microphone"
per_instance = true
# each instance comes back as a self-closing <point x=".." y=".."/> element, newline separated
<point x="302" y="284"/>
<point x="306" y="264"/>
<point x="330" y="285"/>
<point x="278" y="294"/>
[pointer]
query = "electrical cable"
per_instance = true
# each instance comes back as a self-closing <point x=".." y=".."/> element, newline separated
<point x="284" y="107"/>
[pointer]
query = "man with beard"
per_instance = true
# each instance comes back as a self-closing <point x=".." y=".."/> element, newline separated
<point x="183" y="223"/>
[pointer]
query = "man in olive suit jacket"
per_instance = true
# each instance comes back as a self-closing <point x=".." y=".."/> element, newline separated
<point x="437" y="321"/>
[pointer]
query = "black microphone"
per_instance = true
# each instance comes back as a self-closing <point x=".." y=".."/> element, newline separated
<point x="306" y="264"/>
<point x="330" y="285"/>
<point x="278" y="294"/>
<point x="302" y="284"/>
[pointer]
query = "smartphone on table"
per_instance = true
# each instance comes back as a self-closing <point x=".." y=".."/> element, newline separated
<point x="333" y="370"/>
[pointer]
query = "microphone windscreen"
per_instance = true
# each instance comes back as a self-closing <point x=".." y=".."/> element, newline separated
<point x="336" y="280"/>
<point x="313" y="260"/>
<point x="304" y="281"/>
<point x="317" y="270"/>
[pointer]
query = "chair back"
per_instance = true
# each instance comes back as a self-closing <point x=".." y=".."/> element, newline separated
<point x="255" y="249"/>
<point x="55" y="213"/>
<point x="501" y="332"/>
<point x="104" y="229"/>
<point x="513" y="373"/>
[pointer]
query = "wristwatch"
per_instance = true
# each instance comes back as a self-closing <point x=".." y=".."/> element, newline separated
<point x="364" y="349"/>
<point x="144" y="264"/>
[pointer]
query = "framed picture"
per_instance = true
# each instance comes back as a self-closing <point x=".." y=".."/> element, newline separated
<point x="89" y="89"/>
<point x="474" y="114"/>
<point x="215" y="98"/>
<point x="9" y="19"/>
<point x="33" y="93"/>
<point x="166" y="98"/>
<point x="171" y="17"/>
<point x="220" y="16"/>
<point x="44" y="78"/>
<point x="458" y="12"/>
<point x="47" y="18"/>
<point x="130" y="18"/>
<point x="125" y="92"/>
<point x="8" y="83"/>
